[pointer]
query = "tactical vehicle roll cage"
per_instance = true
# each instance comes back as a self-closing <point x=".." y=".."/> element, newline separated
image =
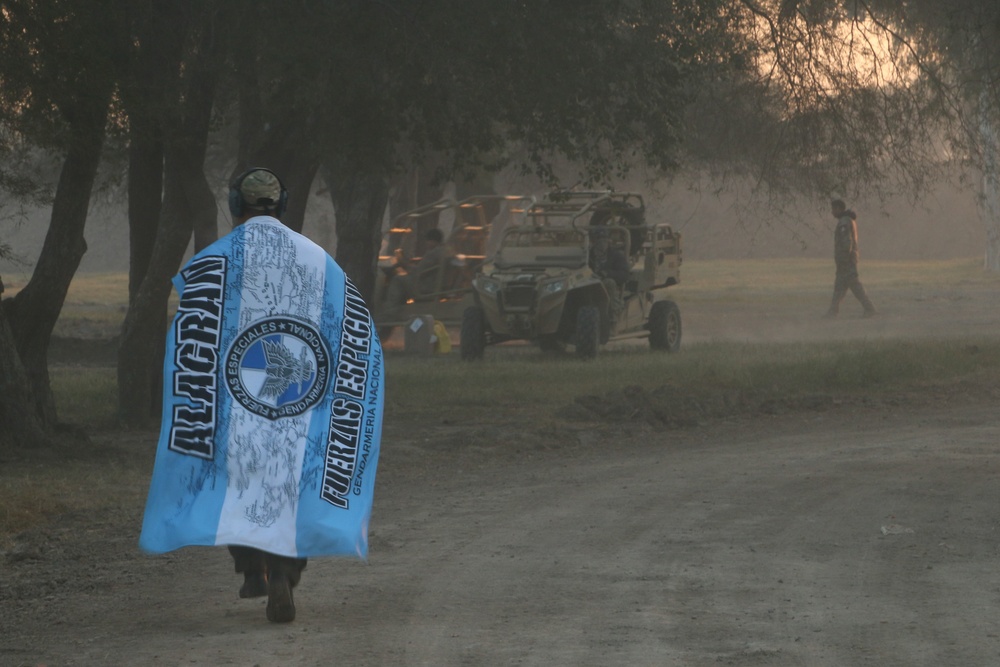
<point x="469" y="242"/>
<point x="540" y="284"/>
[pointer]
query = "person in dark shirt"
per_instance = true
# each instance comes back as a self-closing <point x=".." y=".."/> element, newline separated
<point x="611" y="265"/>
<point x="845" y="256"/>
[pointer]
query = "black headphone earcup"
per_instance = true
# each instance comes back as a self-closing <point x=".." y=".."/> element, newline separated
<point x="282" y="201"/>
<point x="235" y="201"/>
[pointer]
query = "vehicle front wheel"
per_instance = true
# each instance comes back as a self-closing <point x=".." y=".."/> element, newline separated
<point x="473" y="342"/>
<point x="665" y="326"/>
<point x="588" y="332"/>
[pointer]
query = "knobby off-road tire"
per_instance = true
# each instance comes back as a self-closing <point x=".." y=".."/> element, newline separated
<point x="588" y="332"/>
<point x="473" y="342"/>
<point x="665" y="326"/>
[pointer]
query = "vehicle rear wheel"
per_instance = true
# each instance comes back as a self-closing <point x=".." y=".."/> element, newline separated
<point x="665" y="326"/>
<point x="473" y="342"/>
<point x="588" y="331"/>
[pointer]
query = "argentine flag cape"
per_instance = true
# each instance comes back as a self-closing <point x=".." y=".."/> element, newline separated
<point x="272" y="402"/>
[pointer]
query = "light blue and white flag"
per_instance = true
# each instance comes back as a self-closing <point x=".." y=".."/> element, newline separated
<point x="272" y="402"/>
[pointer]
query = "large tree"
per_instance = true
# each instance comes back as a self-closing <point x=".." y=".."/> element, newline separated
<point x="797" y="94"/>
<point x="369" y="89"/>
<point x="858" y="97"/>
<point x="375" y="88"/>
<point x="189" y="34"/>
<point x="21" y="425"/>
<point x="57" y="79"/>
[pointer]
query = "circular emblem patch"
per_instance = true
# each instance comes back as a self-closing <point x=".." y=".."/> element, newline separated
<point x="278" y="367"/>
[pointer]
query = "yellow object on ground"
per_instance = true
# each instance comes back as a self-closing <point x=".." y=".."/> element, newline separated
<point x="443" y="343"/>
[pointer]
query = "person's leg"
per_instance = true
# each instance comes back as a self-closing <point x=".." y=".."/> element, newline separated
<point x="284" y="574"/>
<point x="861" y="295"/>
<point x="252" y="564"/>
<point x="839" y="292"/>
<point x="615" y="303"/>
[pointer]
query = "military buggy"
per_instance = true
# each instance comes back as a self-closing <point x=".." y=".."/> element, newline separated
<point x="471" y="228"/>
<point x="541" y="284"/>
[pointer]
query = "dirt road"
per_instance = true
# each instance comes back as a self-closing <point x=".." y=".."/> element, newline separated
<point x="808" y="539"/>
<point x="854" y="535"/>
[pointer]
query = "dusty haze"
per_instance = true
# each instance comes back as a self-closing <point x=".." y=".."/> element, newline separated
<point x="943" y="225"/>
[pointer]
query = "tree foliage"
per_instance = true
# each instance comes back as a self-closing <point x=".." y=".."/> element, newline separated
<point x="854" y="97"/>
<point x="795" y="95"/>
<point x="58" y="73"/>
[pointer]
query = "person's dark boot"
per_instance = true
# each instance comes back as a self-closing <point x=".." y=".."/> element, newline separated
<point x="252" y="564"/>
<point x="254" y="585"/>
<point x="282" y="576"/>
<point x="280" y="605"/>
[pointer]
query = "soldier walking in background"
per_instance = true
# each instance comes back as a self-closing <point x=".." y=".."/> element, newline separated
<point x="845" y="255"/>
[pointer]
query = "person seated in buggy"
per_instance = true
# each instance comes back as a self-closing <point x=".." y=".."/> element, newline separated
<point x="609" y="262"/>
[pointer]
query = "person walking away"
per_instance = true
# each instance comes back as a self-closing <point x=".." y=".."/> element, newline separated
<point x="272" y="408"/>
<point x="845" y="256"/>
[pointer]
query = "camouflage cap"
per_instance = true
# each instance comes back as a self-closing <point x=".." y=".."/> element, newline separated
<point x="260" y="189"/>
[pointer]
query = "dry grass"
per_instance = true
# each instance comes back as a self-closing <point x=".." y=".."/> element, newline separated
<point x="103" y="475"/>
<point x="716" y="278"/>
<point x="531" y="382"/>
<point x="520" y="383"/>
<point x="96" y="302"/>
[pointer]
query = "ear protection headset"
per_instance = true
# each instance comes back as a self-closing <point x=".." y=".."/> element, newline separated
<point x="238" y="206"/>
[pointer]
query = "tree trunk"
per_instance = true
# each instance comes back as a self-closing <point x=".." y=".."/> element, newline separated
<point x="34" y="311"/>
<point x="19" y="424"/>
<point x="298" y="177"/>
<point x="288" y="148"/>
<point x="989" y="192"/>
<point x="188" y="204"/>
<point x="140" y="356"/>
<point x="292" y="163"/>
<point x="145" y="188"/>
<point x="359" y="200"/>
<point x="147" y="96"/>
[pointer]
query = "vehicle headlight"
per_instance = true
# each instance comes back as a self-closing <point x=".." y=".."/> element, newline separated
<point x="553" y="287"/>
<point x="488" y="285"/>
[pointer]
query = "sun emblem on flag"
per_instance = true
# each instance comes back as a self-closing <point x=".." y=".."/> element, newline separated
<point x="278" y="367"/>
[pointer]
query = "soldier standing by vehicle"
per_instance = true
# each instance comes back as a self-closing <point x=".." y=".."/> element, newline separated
<point x="610" y="264"/>
<point x="845" y="255"/>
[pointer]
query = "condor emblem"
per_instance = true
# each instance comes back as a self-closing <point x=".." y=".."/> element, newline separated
<point x="278" y="367"/>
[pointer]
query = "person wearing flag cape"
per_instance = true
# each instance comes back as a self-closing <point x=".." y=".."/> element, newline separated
<point x="272" y="404"/>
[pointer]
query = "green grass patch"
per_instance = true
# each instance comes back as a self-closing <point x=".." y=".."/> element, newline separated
<point x="522" y="379"/>
<point x="517" y="382"/>
<point x="779" y="275"/>
<point x="872" y="367"/>
<point x="801" y="280"/>
<point x="86" y="396"/>
<point x="72" y="474"/>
